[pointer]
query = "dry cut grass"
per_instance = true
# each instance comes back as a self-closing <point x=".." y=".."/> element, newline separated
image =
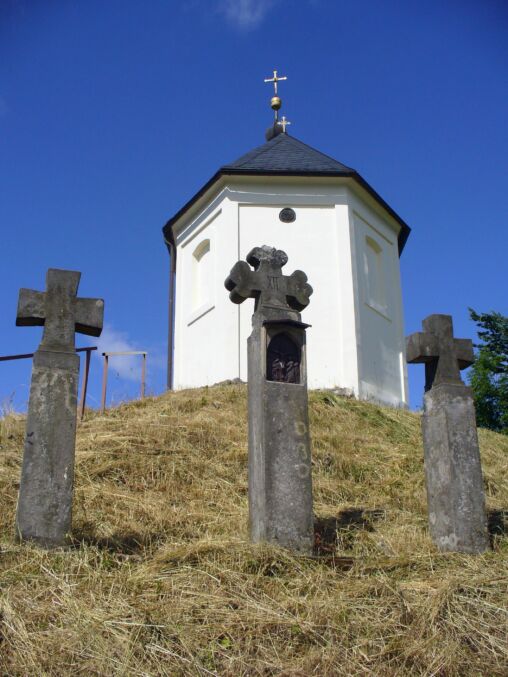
<point x="161" y="578"/>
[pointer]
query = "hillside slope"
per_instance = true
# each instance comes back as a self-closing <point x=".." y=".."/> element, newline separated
<point x="162" y="580"/>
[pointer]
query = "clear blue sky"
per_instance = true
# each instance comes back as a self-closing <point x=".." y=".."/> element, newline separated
<point x="112" y="114"/>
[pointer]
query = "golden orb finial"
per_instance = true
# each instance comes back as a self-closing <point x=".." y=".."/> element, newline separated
<point x="276" y="103"/>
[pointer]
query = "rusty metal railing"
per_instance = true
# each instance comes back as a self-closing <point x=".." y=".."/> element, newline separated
<point x="105" y="373"/>
<point x="84" y="384"/>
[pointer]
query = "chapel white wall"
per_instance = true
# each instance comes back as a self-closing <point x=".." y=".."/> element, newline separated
<point x="311" y="244"/>
<point x="206" y="337"/>
<point x="382" y="374"/>
<point x="350" y="344"/>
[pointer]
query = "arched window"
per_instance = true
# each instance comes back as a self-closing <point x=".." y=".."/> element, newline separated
<point x="201" y="275"/>
<point x="374" y="275"/>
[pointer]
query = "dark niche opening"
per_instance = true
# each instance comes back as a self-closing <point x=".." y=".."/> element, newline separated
<point x="283" y="360"/>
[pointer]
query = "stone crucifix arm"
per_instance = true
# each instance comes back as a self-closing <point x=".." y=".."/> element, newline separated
<point x="464" y="352"/>
<point x="421" y="348"/>
<point x="89" y="316"/>
<point x="30" y="308"/>
<point x="443" y="355"/>
<point x="266" y="283"/>
<point x="299" y="290"/>
<point x="240" y="283"/>
<point x="60" y="311"/>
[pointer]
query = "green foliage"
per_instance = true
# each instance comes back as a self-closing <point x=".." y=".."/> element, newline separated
<point x="489" y="374"/>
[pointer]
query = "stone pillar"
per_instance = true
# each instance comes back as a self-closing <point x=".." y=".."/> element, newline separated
<point x="455" y="496"/>
<point x="44" y="513"/>
<point x="280" y="482"/>
<point x="280" y="479"/>
<point x="456" y="503"/>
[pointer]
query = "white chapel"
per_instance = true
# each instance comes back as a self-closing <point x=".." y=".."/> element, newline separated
<point x="333" y="225"/>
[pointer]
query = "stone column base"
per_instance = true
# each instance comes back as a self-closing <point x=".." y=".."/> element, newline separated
<point x="44" y="510"/>
<point x="456" y="501"/>
<point x="280" y="473"/>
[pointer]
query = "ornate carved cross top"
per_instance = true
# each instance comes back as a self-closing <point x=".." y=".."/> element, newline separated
<point x="60" y="311"/>
<point x="443" y="355"/>
<point x="266" y="283"/>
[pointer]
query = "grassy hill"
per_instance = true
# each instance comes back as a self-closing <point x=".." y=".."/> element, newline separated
<point x="161" y="579"/>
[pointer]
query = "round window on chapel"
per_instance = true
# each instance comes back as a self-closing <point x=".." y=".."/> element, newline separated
<point x="287" y="215"/>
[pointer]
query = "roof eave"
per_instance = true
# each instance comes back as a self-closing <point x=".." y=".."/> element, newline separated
<point x="404" y="232"/>
<point x="168" y="227"/>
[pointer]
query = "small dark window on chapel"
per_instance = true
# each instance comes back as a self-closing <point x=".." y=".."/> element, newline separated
<point x="287" y="215"/>
<point x="283" y="360"/>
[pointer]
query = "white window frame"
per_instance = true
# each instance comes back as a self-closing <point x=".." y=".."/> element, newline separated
<point x="206" y="303"/>
<point x="375" y="279"/>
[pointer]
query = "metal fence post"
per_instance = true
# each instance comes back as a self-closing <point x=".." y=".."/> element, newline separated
<point x="143" y="376"/>
<point x="84" y="384"/>
<point x="104" y="382"/>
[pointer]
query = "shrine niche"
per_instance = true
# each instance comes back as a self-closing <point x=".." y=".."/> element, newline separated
<point x="283" y="360"/>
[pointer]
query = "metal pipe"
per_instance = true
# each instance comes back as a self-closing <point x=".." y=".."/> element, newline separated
<point x="4" y="358"/>
<point x="84" y="385"/>
<point x="105" y="372"/>
<point x="104" y="383"/>
<point x="15" y="357"/>
<point x="126" y="352"/>
<point x="171" y="313"/>
<point x="143" y="376"/>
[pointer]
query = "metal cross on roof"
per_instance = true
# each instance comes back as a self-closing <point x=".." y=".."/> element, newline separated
<point x="275" y="80"/>
<point x="284" y="123"/>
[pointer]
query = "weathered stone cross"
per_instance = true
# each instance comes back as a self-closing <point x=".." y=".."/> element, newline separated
<point x="280" y="467"/>
<point x="45" y="495"/>
<point x="443" y="355"/>
<point x="455" y="498"/>
<point x="267" y="284"/>
<point x="59" y="311"/>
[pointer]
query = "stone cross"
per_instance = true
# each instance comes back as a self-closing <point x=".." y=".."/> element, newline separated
<point x="280" y="480"/>
<point x="455" y="496"/>
<point x="266" y="283"/>
<point x="443" y="355"/>
<point x="47" y="477"/>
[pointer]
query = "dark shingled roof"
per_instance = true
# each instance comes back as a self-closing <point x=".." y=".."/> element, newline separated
<point x="284" y="155"/>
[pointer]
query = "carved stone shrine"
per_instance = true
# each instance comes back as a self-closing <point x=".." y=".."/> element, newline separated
<point x="44" y="510"/>
<point x="280" y="479"/>
<point x="455" y="496"/>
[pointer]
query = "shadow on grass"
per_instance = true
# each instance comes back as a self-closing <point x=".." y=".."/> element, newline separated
<point x="497" y="522"/>
<point x="129" y="543"/>
<point x="329" y="532"/>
